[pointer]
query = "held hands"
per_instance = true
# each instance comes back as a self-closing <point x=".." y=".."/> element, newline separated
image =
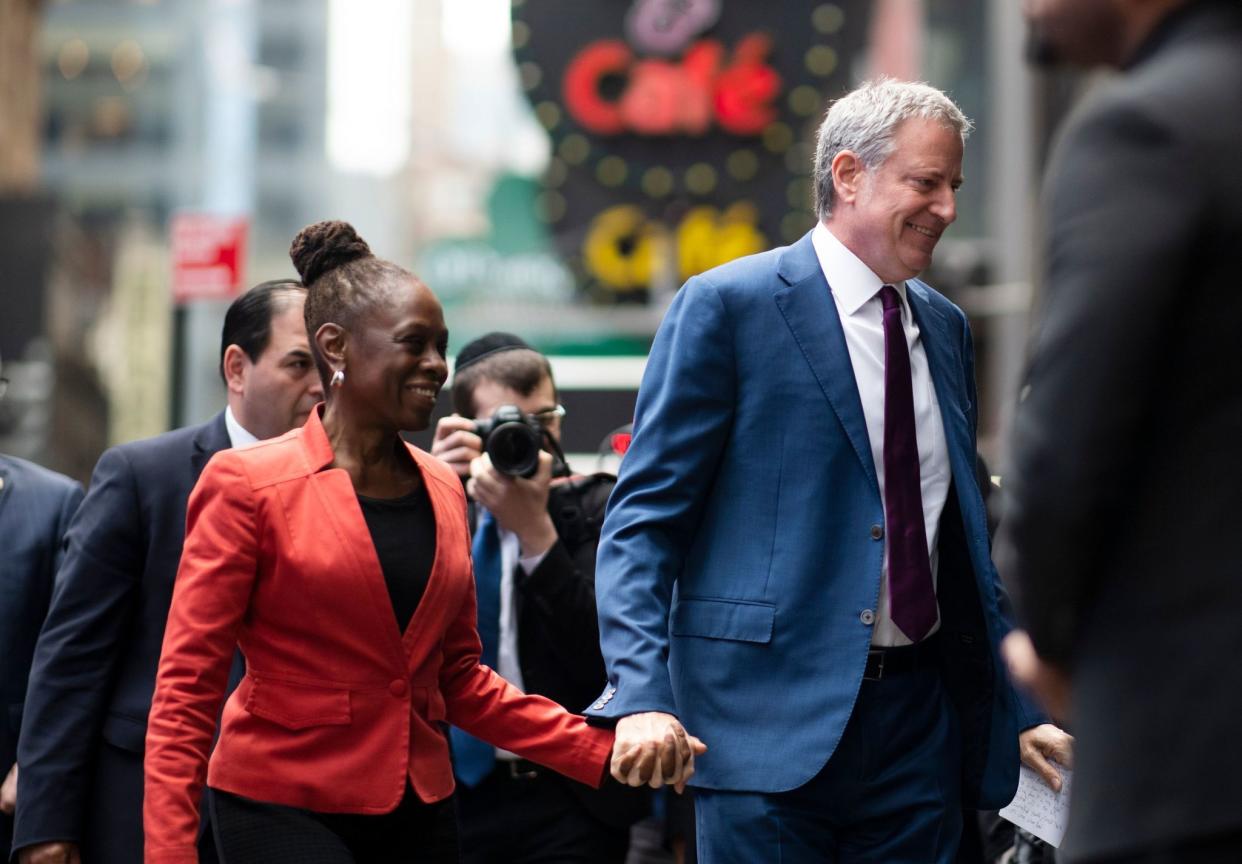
<point x="654" y="749"/>
<point x="1042" y="745"/>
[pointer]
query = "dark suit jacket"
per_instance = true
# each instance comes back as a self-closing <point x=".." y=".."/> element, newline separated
<point x="94" y="666"/>
<point x="35" y="508"/>
<point x="1121" y="526"/>
<point x="558" y="631"/>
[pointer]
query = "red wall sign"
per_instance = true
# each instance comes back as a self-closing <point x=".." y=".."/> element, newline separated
<point x="208" y="253"/>
<point x="663" y="97"/>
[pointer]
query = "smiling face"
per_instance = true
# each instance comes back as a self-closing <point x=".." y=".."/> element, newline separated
<point x="395" y="362"/>
<point x="892" y="215"/>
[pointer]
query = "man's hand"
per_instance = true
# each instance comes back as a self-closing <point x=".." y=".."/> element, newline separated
<point x="1042" y="745"/>
<point x="1047" y="682"/>
<point x="654" y="749"/>
<point x="520" y="504"/>
<point x="456" y="444"/>
<point x="50" y="853"/>
<point x="8" y="792"/>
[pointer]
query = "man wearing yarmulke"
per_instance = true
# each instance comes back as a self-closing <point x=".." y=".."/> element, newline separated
<point x="534" y="561"/>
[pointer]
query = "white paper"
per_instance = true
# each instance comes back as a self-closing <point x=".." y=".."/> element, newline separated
<point x="1039" y="810"/>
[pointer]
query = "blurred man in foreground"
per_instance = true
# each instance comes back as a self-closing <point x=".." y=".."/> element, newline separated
<point x="534" y="560"/>
<point x="1120" y="530"/>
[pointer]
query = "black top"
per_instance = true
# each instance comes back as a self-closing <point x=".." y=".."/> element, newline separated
<point x="404" y="533"/>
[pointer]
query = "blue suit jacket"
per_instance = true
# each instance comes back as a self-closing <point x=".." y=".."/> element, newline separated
<point x="35" y="508"/>
<point x="94" y="666"/>
<point x="737" y="558"/>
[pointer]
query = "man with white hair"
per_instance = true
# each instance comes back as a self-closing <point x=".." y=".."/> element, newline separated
<point x="795" y="559"/>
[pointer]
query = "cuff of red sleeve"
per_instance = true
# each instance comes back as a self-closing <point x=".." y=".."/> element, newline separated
<point x="594" y="755"/>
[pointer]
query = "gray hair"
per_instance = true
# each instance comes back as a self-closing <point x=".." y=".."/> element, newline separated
<point x="864" y="121"/>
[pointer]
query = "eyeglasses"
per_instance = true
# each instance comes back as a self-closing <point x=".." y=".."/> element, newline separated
<point x="547" y="415"/>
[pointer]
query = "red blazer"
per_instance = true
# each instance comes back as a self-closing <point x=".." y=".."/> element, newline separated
<point x="338" y="708"/>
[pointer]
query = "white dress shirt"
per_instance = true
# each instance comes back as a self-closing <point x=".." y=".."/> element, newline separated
<point x="508" y="664"/>
<point x="855" y="291"/>
<point x="238" y="436"/>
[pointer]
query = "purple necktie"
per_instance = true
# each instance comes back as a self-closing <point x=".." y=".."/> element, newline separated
<point x="909" y="571"/>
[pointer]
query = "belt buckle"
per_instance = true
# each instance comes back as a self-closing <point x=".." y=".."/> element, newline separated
<point x="879" y="673"/>
<point x="516" y="772"/>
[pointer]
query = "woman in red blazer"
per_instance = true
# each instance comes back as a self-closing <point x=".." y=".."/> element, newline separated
<point x="337" y="558"/>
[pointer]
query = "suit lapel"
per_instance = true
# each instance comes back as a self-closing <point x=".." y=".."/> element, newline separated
<point x="211" y="438"/>
<point x="945" y="361"/>
<point x="339" y="501"/>
<point x="342" y="512"/>
<point x="805" y="302"/>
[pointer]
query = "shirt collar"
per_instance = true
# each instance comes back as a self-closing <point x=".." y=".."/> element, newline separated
<point x="848" y="277"/>
<point x="238" y="436"/>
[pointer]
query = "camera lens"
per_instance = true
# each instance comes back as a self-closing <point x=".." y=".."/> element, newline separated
<point x="512" y="440"/>
<point x="514" y="449"/>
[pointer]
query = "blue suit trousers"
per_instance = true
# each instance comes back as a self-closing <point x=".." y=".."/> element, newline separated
<point x="890" y="794"/>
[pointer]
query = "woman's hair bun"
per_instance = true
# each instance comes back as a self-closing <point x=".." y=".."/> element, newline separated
<point x="325" y="246"/>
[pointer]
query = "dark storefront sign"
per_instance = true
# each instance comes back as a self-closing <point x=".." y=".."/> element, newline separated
<point x="682" y="130"/>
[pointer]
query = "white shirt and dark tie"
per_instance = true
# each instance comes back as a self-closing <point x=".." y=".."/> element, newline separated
<point x="508" y="664"/>
<point x="856" y="292"/>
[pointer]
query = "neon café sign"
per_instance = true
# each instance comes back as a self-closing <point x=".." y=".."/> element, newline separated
<point x="669" y="81"/>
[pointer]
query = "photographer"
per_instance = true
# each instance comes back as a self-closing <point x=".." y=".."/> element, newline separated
<point x="534" y="558"/>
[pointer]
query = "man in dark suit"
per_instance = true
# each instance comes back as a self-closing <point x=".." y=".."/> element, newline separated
<point x="795" y="560"/>
<point x="1120" y="530"/>
<point x="534" y="558"/>
<point x="80" y="784"/>
<point x="35" y="508"/>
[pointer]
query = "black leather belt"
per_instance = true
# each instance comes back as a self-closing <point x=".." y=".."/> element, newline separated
<point x="898" y="660"/>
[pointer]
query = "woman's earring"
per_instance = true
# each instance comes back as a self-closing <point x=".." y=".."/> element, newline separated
<point x="338" y="378"/>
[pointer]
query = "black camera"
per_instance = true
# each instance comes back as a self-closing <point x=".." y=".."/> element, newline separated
<point x="512" y="440"/>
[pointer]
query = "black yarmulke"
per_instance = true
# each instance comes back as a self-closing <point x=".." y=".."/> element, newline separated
<point x="485" y="346"/>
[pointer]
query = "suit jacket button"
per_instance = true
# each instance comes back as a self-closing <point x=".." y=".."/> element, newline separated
<point x="877" y="531"/>
<point x="867" y="617"/>
<point x="398" y="688"/>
